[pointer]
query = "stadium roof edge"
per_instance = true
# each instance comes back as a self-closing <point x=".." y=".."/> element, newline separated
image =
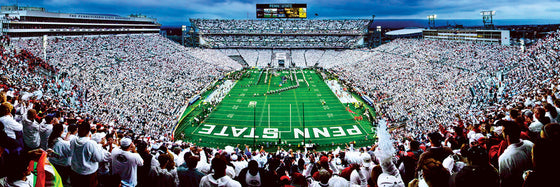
<point x="405" y="31"/>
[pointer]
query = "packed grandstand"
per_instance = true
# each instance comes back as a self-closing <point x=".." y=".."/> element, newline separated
<point x="450" y="113"/>
<point x="293" y="34"/>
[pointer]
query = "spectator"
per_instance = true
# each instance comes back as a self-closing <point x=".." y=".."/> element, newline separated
<point x="45" y="130"/>
<point x="436" y="150"/>
<point x="20" y="175"/>
<point x="285" y="181"/>
<point x="6" y="143"/>
<point x="551" y="113"/>
<point x="273" y="172"/>
<point x="252" y="175"/>
<point x="433" y="174"/>
<point x="551" y="132"/>
<point x="458" y="139"/>
<point x="478" y="171"/>
<point x="144" y="170"/>
<point x="104" y="175"/>
<point x="540" y="120"/>
<point x="545" y="164"/>
<point x="239" y="163"/>
<point x="62" y="152"/>
<point x="323" y="164"/>
<point x="86" y="155"/>
<point x="189" y="176"/>
<point x="219" y="177"/>
<point x="125" y="161"/>
<point x="165" y="174"/>
<point x="361" y="175"/>
<point x="516" y="158"/>
<point x="410" y="161"/>
<point x="72" y="132"/>
<point x="323" y="177"/>
<point x="31" y="136"/>
<point x="375" y="173"/>
<point x="13" y="129"/>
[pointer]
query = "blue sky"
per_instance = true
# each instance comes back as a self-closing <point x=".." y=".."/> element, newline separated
<point x="177" y="12"/>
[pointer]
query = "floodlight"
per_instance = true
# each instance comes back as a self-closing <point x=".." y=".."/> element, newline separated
<point x="487" y="18"/>
<point x="432" y="21"/>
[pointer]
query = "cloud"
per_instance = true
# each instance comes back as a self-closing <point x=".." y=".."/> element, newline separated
<point x="176" y="12"/>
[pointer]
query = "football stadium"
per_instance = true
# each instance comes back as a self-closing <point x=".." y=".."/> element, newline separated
<point x="245" y="93"/>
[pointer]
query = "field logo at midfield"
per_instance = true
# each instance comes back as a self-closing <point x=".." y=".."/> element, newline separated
<point x="273" y="133"/>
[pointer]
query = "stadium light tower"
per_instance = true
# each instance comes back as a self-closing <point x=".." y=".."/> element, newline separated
<point x="432" y="21"/>
<point x="487" y="18"/>
<point x="183" y="31"/>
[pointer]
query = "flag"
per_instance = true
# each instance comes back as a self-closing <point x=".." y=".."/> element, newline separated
<point x="44" y="173"/>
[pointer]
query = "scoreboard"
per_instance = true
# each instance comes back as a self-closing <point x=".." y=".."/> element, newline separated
<point x="281" y="10"/>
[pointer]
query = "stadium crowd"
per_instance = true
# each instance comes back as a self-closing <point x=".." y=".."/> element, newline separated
<point x="327" y="58"/>
<point x="265" y="41"/>
<point x="263" y="26"/>
<point x="105" y="119"/>
<point x="137" y="81"/>
<point x="280" y="33"/>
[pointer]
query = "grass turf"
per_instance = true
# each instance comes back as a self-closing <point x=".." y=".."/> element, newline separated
<point x="279" y="116"/>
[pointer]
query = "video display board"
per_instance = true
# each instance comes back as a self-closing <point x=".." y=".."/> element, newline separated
<point x="281" y="10"/>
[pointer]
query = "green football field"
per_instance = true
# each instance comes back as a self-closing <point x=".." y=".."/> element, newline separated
<point x="312" y="112"/>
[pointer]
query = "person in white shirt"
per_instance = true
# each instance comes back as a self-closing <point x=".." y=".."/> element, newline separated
<point x="361" y="176"/>
<point x="164" y="173"/>
<point x="11" y="126"/>
<point x="252" y="175"/>
<point x="125" y="162"/>
<point x="551" y="113"/>
<point x="238" y="163"/>
<point x="86" y="155"/>
<point x="325" y="178"/>
<point x="31" y="138"/>
<point x="219" y="177"/>
<point x="540" y="119"/>
<point x="72" y="132"/>
<point x="62" y="152"/>
<point x="45" y="130"/>
<point x="516" y="158"/>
